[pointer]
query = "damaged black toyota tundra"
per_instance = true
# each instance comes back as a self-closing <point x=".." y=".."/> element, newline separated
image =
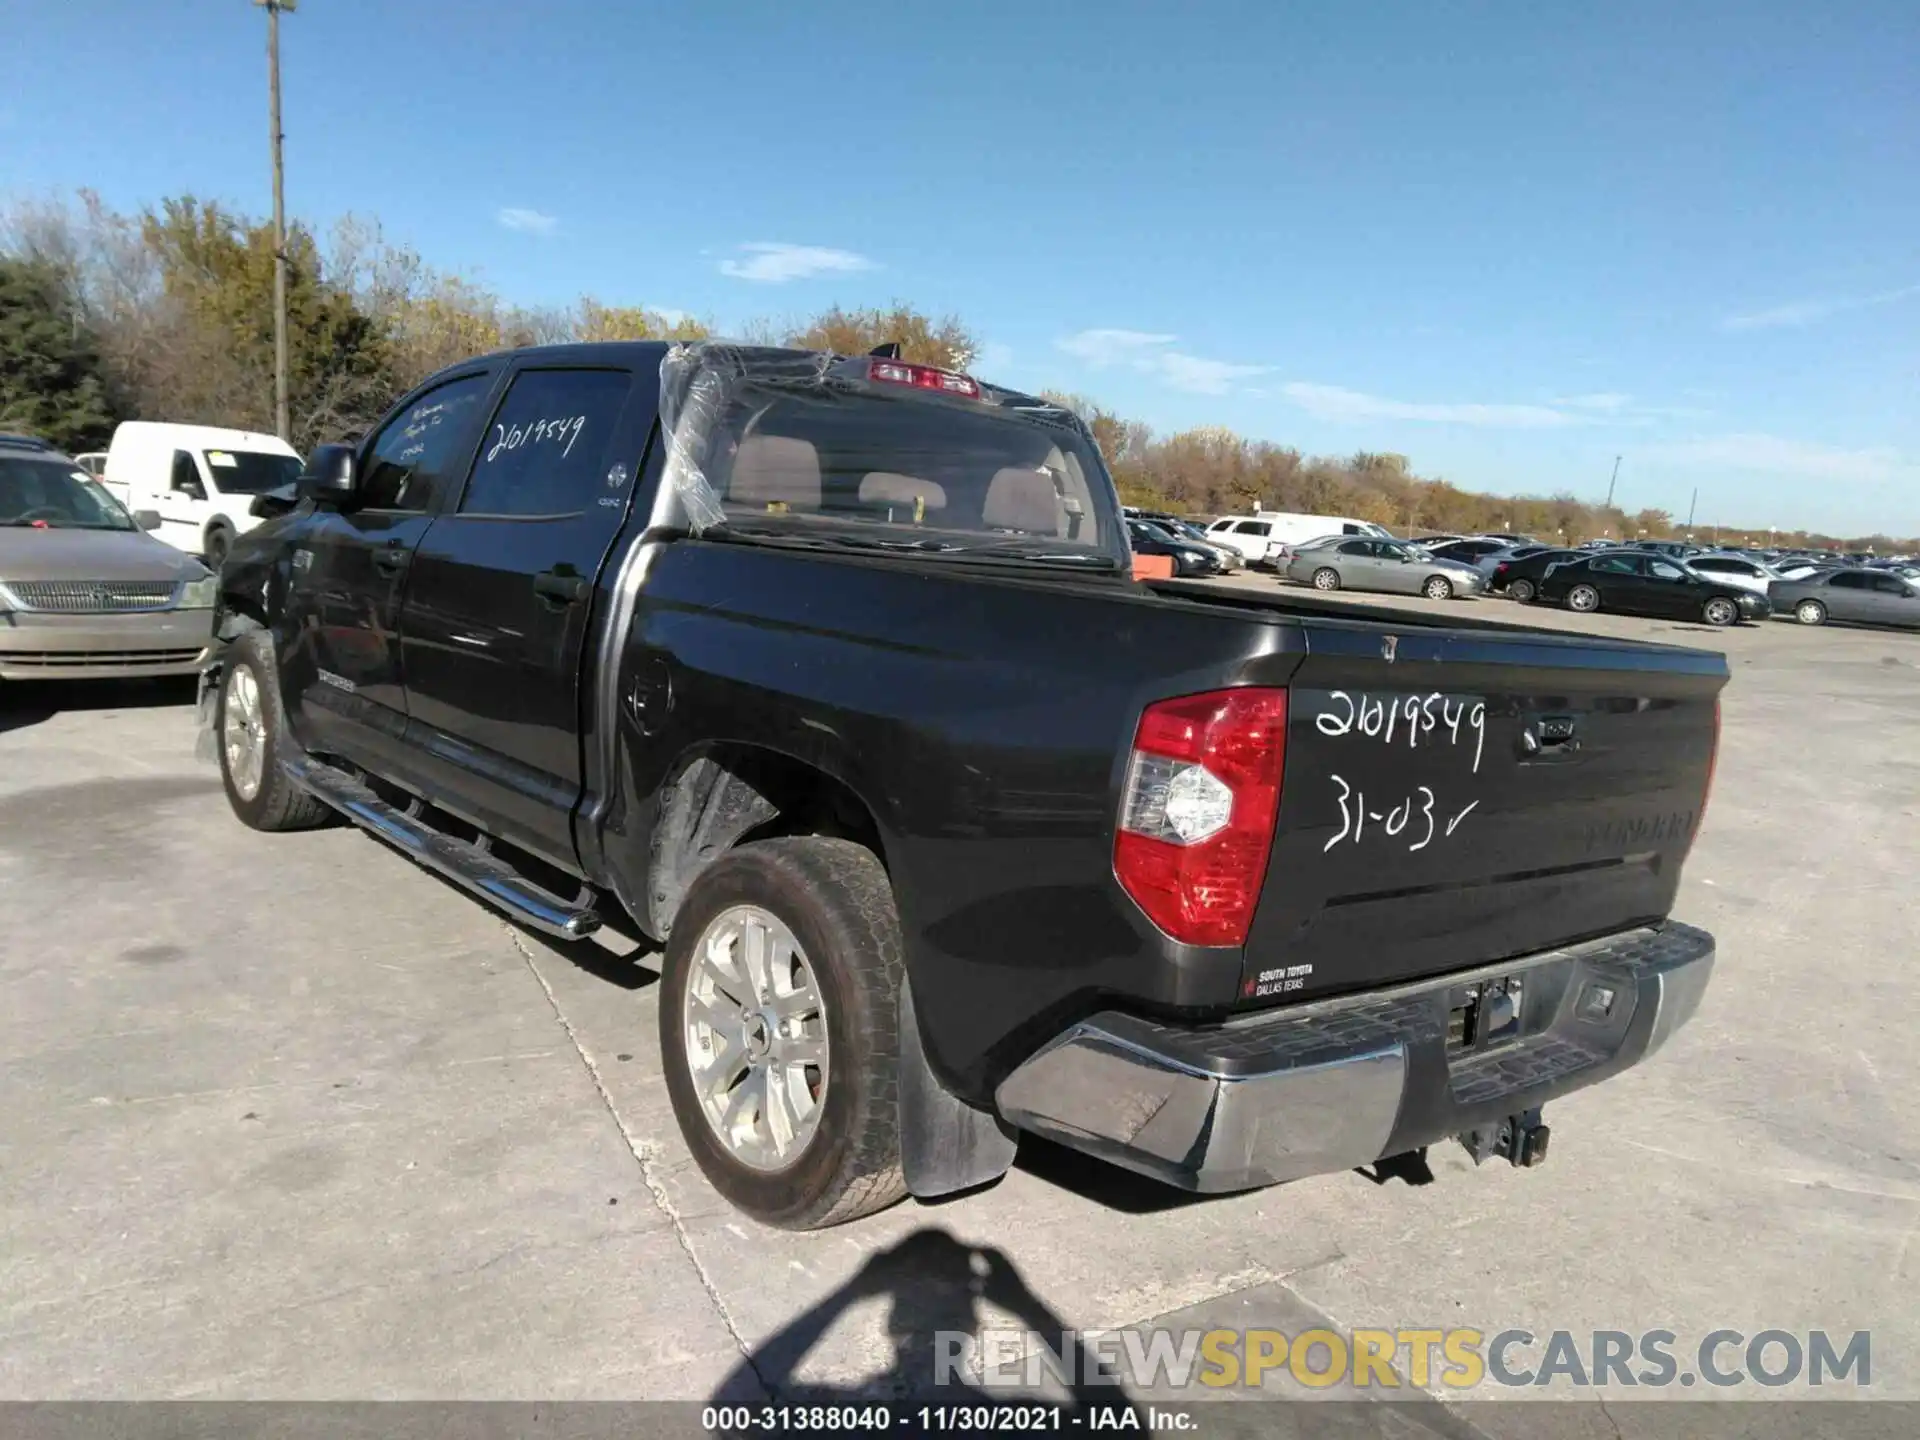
<point x="830" y="674"/>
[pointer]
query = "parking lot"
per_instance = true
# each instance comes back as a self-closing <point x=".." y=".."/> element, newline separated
<point x="290" y="1118"/>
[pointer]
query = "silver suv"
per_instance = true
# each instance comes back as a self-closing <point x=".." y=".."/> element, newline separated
<point x="84" y="592"/>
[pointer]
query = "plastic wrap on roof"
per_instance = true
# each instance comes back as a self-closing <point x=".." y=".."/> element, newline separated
<point x="701" y="380"/>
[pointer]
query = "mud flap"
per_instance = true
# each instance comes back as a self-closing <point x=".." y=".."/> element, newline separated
<point x="204" y="746"/>
<point x="946" y="1145"/>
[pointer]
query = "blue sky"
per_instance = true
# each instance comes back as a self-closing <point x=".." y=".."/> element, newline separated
<point x="1511" y="241"/>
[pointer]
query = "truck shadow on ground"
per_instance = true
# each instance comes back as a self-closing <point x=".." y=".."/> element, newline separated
<point x="25" y="703"/>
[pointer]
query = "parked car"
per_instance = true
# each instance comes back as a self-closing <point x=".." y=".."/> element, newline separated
<point x="1519" y="579"/>
<point x="1672" y="549"/>
<point x="200" y="480"/>
<point x="1739" y="570"/>
<point x="1254" y="539"/>
<point x="831" y="673"/>
<point x="1190" y="533"/>
<point x="94" y="462"/>
<point x="1465" y="552"/>
<point x="1868" y="597"/>
<point x="1506" y="554"/>
<point x="1284" y="531"/>
<point x="1294" y="527"/>
<point x="1339" y="562"/>
<point x="1147" y="538"/>
<point x="85" y="593"/>
<point x="1635" y="583"/>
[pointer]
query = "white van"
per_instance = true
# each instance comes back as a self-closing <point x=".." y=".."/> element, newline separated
<point x="199" y="479"/>
<point x="1266" y="535"/>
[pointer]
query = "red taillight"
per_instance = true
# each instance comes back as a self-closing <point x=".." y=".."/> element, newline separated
<point x="922" y="377"/>
<point x="1501" y="568"/>
<point x="1197" y="814"/>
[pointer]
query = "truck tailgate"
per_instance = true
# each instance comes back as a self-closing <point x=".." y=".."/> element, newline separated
<point x="1455" y="797"/>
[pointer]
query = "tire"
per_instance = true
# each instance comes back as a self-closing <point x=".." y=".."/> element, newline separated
<point x="1438" y="588"/>
<point x="1583" y="598"/>
<point x="835" y="902"/>
<point x="1810" y="612"/>
<point x="1326" y="578"/>
<point x="269" y="800"/>
<point x="1520" y="590"/>
<point x="218" y="542"/>
<point x="1720" y="611"/>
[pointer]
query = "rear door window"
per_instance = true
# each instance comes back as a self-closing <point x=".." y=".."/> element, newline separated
<point x="1850" y="580"/>
<point x="1252" y="527"/>
<point x="546" y="451"/>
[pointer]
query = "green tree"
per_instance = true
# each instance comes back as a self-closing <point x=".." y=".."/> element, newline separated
<point x="52" y="382"/>
<point x="216" y="272"/>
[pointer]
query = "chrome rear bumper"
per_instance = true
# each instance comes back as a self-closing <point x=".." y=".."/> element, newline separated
<point x="1340" y="1083"/>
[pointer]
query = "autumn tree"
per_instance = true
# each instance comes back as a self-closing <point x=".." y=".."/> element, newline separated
<point x="924" y="340"/>
<point x="594" y="321"/>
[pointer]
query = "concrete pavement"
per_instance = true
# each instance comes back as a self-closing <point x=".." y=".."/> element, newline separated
<point x="290" y="1118"/>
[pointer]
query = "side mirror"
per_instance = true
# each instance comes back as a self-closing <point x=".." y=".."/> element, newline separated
<point x="147" y="519"/>
<point x="328" y="474"/>
<point x="192" y="489"/>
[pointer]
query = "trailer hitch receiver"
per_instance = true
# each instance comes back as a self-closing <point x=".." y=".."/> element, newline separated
<point x="1520" y="1140"/>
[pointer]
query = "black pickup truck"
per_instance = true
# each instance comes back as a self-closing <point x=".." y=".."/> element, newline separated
<point x="830" y="674"/>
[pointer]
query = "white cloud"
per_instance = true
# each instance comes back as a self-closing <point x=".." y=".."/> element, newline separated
<point x="528" y="222"/>
<point x="1110" y="347"/>
<point x="1153" y="354"/>
<point x="1332" y="402"/>
<point x="772" y="262"/>
<point x="1610" y="402"/>
<point x="1772" y="455"/>
<point x="1810" y="312"/>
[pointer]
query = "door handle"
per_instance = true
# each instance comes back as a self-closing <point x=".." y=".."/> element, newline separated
<point x="562" y="589"/>
<point x="391" y="561"/>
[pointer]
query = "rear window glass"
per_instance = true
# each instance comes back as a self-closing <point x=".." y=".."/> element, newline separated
<point x="903" y="464"/>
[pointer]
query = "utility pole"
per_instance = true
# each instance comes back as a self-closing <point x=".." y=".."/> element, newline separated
<point x="1616" y="474"/>
<point x="1690" y="505"/>
<point x="282" y="426"/>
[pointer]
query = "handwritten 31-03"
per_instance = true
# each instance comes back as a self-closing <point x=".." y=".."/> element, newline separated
<point x="1434" y="720"/>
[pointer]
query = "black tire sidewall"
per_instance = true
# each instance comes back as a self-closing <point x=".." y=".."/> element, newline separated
<point x="1521" y="590"/>
<point x="1707" y="612"/>
<point x="758" y="875"/>
<point x="219" y="544"/>
<point x="1573" y="602"/>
